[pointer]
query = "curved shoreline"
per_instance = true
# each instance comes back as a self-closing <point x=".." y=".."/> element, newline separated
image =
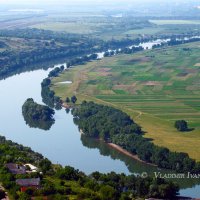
<point x="125" y="152"/>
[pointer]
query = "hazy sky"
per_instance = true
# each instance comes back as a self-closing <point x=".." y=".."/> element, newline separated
<point x="76" y="1"/>
<point x="17" y="2"/>
<point x="50" y="1"/>
<point x="89" y="2"/>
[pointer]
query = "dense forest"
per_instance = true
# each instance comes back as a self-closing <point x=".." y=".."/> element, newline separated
<point x="60" y="183"/>
<point x="36" y="46"/>
<point x="112" y="125"/>
<point x="37" y="111"/>
<point x="22" y="49"/>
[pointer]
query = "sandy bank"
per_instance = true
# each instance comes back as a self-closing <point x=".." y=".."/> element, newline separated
<point x="135" y="157"/>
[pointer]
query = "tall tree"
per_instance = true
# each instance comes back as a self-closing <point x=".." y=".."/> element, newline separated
<point x="181" y="125"/>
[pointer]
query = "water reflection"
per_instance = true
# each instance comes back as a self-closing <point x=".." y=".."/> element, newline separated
<point x="133" y="166"/>
<point x="41" y="124"/>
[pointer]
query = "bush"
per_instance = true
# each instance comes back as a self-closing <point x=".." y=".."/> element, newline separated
<point x="181" y="125"/>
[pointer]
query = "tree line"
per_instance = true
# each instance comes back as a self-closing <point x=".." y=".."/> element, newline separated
<point x="48" y="46"/>
<point x="112" y="125"/>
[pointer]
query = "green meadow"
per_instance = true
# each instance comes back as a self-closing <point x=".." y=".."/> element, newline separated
<point x="156" y="87"/>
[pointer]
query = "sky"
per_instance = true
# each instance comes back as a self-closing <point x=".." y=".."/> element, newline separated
<point x="75" y="1"/>
<point x="37" y="3"/>
<point x="47" y="1"/>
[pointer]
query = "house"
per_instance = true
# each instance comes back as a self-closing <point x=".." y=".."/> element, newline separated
<point x="31" y="168"/>
<point x="16" y="169"/>
<point x="28" y="183"/>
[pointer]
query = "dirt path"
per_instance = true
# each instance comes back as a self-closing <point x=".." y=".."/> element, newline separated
<point x="139" y="115"/>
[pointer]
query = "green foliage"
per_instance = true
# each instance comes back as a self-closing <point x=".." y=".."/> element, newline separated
<point x="48" y="96"/>
<point x="66" y="182"/>
<point x="46" y="82"/>
<point x="55" y="72"/>
<point x="37" y="116"/>
<point x="24" y="196"/>
<point x="117" y="127"/>
<point x="11" y="152"/>
<point x="103" y="121"/>
<point x="108" y="192"/>
<point x="67" y="173"/>
<point x="36" y="111"/>
<point x="181" y="125"/>
<point x="73" y="99"/>
<point x="67" y="100"/>
<point x="45" y="165"/>
<point x="42" y="46"/>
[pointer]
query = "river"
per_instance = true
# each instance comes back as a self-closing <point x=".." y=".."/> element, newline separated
<point x="63" y="143"/>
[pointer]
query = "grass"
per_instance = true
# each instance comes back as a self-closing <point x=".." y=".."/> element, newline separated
<point x="99" y="26"/>
<point x="155" y="87"/>
<point x="148" y="31"/>
<point x="70" y="27"/>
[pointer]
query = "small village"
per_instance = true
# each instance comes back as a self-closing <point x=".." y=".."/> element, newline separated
<point x="23" y="170"/>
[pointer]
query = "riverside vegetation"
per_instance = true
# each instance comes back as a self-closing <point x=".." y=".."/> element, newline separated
<point x="35" y="46"/>
<point x="68" y="183"/>
<point x="112" y="125"/>
<point x="37" y="116"/>
<point x="155" y="87"/>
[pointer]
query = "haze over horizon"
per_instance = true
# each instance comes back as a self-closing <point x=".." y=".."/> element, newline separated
<point x="38" y="2"/>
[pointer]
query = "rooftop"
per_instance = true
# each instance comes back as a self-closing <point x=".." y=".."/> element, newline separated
<point x="16" y="169"/>
<point x="28" y="182"/>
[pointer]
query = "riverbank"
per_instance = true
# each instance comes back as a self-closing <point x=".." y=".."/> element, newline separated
<point x="135" y="157"/>
<point x="125" y="152"/>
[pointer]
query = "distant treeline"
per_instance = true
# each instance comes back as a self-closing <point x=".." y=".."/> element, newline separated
<point x="49" y="45"/>
<point x="115" y="126"/>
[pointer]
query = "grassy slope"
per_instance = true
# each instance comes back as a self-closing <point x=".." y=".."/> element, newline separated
<point x="155" y="88"/>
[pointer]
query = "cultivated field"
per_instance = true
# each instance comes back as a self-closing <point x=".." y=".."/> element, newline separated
<point x="69" y="27"/>
<point x="155" y="87"/>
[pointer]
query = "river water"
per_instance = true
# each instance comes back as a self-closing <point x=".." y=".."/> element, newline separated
<point x="63" y="143"/>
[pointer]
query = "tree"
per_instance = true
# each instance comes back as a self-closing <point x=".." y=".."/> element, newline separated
<point x="106" y="54"/>
<point x="107" y="192"/>
<point x="181" y="125"/>
<point x="45" y="165"/>
<point x="62" y="67"/>
<point x="73" y="99"/>
<point x="37" y="112"/>
<point x="67" y="100"/>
